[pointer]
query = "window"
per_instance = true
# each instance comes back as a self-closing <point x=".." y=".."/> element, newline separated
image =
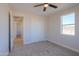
<point x="68" y="24"/>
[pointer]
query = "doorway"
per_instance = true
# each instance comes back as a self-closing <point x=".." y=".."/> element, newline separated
<point x="18" y="31"/>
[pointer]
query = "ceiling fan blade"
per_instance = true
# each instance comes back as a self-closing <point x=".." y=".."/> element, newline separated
<point x="38" y="5"/>
<point x="53" y="6"/>
<point x="44" y="9"/>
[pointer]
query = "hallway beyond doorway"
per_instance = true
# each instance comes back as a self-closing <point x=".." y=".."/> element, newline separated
<point x="18" y="31"/>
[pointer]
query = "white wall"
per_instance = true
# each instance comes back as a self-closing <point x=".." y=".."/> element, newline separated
<point x="4" y="41"/>
<point x="37" y="28"/>
<point x="33" y="26"/>
<point x="54" y="35"/>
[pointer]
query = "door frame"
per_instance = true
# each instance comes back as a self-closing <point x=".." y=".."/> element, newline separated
<point x="9" y="33"/>
<point x="11" y="36"/>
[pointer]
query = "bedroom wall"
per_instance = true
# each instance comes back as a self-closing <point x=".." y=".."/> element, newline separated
<point x="54" y="35"/>
<point x="4" y="31"/>
<point x="33" y="26"/>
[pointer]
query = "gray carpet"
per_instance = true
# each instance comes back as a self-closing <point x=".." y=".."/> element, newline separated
<point x="43" y="48"/>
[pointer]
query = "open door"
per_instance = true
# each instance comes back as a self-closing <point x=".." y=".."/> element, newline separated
<point x="11" y="36"/>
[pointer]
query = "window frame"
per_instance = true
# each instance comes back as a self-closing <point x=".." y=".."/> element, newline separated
<point x="61" y="25"/>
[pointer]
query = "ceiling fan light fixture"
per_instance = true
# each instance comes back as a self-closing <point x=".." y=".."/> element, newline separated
<point x="45" y="5"/>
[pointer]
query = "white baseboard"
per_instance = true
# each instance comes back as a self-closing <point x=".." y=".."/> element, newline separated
<point x="33" y="41"/>
<point x="76" y="50"/>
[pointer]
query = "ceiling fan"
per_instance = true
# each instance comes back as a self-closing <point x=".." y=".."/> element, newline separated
<point x="45" y="5"/>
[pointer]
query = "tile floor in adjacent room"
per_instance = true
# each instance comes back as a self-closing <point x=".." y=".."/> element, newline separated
<point x="43" y="48"/>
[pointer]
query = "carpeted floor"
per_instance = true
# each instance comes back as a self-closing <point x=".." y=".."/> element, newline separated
<point x="43" y="48"/>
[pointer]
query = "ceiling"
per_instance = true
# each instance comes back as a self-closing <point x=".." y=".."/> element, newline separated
<point x="39" y="10"/>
